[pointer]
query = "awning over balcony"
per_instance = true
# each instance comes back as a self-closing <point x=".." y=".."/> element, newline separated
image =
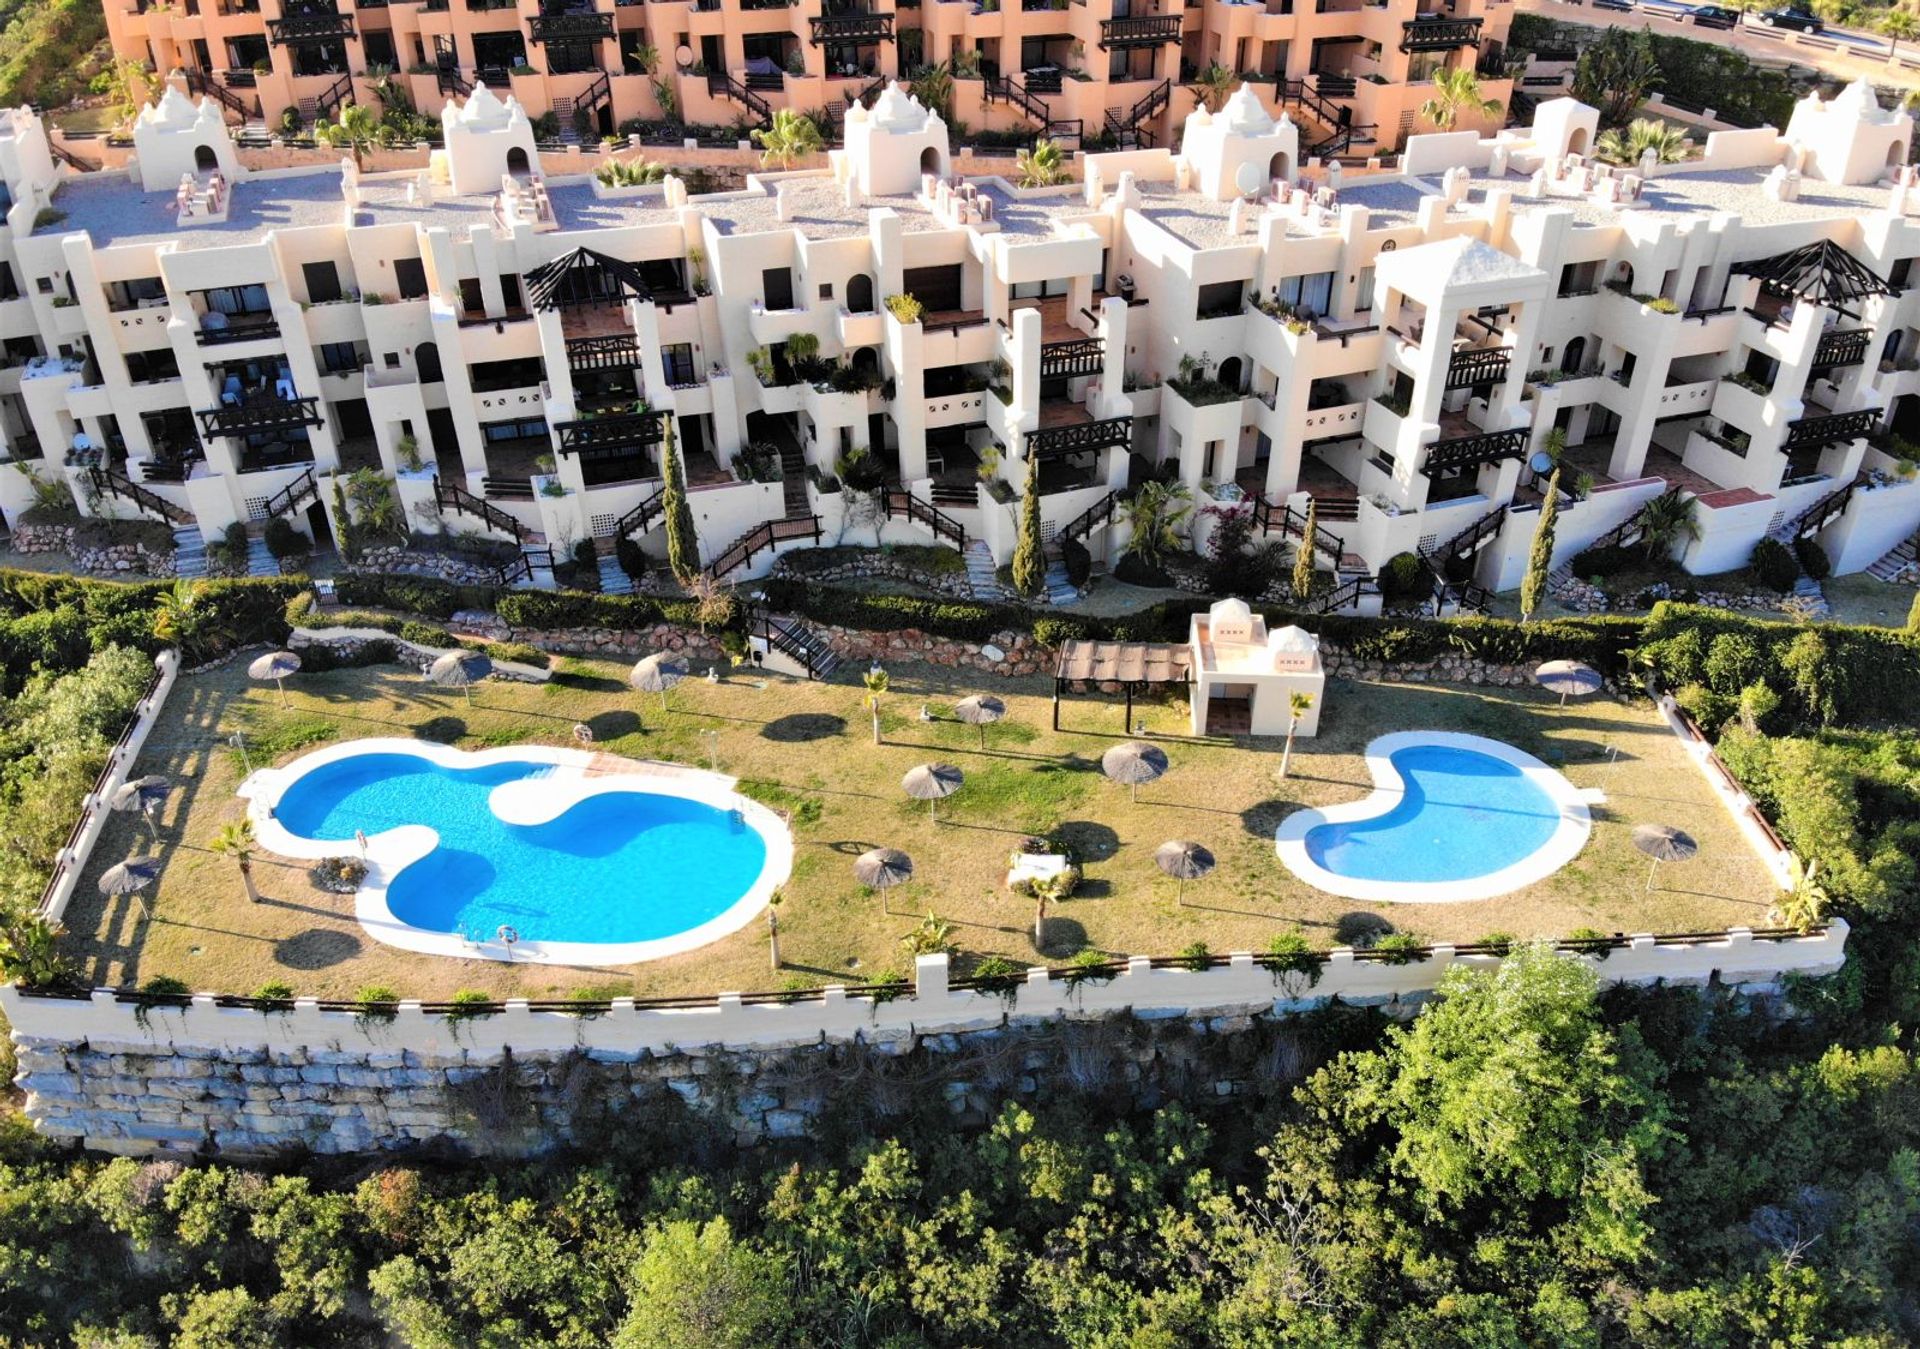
<point x="1820" y="273"/>
<point x="583" y="277"/>
<point x="626" y="432"/>
<point x="1472" y="451"/>
<point x="1438" y="35"/>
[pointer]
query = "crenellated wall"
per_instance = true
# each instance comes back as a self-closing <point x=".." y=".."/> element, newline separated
<point x="238" y="1077"/>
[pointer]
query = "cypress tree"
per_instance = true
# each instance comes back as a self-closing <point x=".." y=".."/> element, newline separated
<point x="343" y="524"/>
<point x="1303" y="560"/>
<point x="683" y="545"/>
<point x="1533" y="587"/>
<point x="1029" y="561"/>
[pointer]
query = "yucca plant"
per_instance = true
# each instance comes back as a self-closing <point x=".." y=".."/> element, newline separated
<point x="1043" y="166"/>
<point x="1642" y="134"/>
<point x="1213" y="86"/>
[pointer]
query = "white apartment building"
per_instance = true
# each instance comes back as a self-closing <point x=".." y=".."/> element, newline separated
<point x="208" y="344"/>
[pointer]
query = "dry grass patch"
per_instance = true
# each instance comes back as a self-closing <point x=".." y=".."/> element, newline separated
<point x="807" y="748"/>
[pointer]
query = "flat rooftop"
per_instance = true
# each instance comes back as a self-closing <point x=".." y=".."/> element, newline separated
<point x="114" y="210"/>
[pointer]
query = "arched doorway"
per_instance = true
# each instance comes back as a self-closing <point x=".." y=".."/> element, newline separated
<point x="1229" y="373"/>
<point x="930" y="160"/>
<point x="860" y="294"/>
<point x="205" y="160"/>
<point x="1574" y="356"/>
<point x="517" y="161"/>
<point x="1280" y="167"/>
<point x="426" y="357"/>
<point x="866" y="358"/>
<point x="1577" y="142"/>
<point x="1623" y="276"/>
<point x="1897" y="155"/>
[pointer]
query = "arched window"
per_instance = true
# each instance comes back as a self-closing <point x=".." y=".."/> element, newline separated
<point x="930" y="160"/>
<point x="860" y="294"/>
<point x="1280" y="167"/>
<point x="1575" y="354"/>
<point x="427" y="357"/>
<point x="517" y="160"/>
<point x="1577" y="142"/>
<point x="1229" y="374"/>
<point x="204" y="159"/>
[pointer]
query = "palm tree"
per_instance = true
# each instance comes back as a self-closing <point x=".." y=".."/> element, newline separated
<point x="354" y="131"/>
<point x="1155" y="515"/>
<point x="933" y="86"/>
<point x="1668" y="142"/>
<point x="647" y="57"/>
<point x="1043" y="166"/>
<point x="1665" y="520"/>
<point x="235" y="840"/>
<point x="1213" y="86"/>
<point x="1899" y="25"/>
<point x="630" y="172"/>
<point x="184" y="617"/>
<point x="789" y="137"/>
<point x="1298" y="705"/>
<point x="876" y="680"/>
<point x="132" y="86"/>
<point x="1456" y="92"/>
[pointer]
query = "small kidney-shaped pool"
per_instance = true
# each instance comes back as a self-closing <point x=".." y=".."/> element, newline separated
<point x="577" y="863"/>
<point x="1452" y="817"/>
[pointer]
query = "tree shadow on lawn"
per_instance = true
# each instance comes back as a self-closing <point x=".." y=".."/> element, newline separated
<point x="1093" y="841"/>
<point x="316" y="949"/>
<point x="585" y="683"/>
<point x="1262" y="818"/>
<point x="443" y="730"/>
<point x="801" y="727"/>
<point x="616" y="725"/>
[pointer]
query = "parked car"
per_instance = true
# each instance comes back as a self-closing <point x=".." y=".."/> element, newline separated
<point x="1801" y="19"/>
<point x="1712" y="16"/>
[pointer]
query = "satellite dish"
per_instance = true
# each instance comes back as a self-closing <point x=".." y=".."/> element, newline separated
<point x="1541" y="463"/>
<point x="684" y="57"/>
<point x="1249" y="179"/>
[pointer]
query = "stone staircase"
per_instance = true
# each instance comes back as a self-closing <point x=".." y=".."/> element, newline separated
<point x="980" y="572"/>
<point x="1059" y="589"/>
<point x="1809" y="598"/>
<point x="260" y="562"/>
<point x="802" y="643"/>
<point x="189" y="553"/>
<point x="1902" y="556"/>
<point x="613" y="577"/>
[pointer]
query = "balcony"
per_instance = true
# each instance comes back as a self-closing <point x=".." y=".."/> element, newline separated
<point x="1077" y="434"/>
<point x="224" y="329"/>
<point x="611" y="352"/>
<point x="1149" y="30"/>
<point x="1816" y="433"/>
<point x="1084" y="356"/>
<point x="825" y="28"/>
<point x="1841" y="348"/>
<point x="1467" y="452"/>
<point x="1477" y="366"/>
<point x="264" y="410"/>
<point x="313" y="26"/>
<point x="1438" y="35"/>
<point x="622" y="433"/>
<point x="578" y="26"/>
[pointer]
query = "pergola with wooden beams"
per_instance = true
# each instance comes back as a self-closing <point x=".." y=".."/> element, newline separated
<point x="583" y="278"/>
<point x="1821" y="273"/>
<point x="1138" y="667"/>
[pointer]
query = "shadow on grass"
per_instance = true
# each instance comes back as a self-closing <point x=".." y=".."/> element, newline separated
<point x="316" y="949"/>
<point x="801" y="727"/>
<point x="1063" y="936"/>
<point x="1093" y="841"/>
<point x="614" y="725"/>
<point x="444" y="730"/>
<point x="1263" y="817"/>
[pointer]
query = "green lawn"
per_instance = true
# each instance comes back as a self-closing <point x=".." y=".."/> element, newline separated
<point x="808" y="747"/>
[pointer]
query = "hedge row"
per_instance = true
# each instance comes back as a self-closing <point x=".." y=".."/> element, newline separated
<point x="413" y="594"/>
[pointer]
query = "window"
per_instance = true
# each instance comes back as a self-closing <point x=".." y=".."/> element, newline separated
<point x="518" y="429"/>
<point x="392" y="360"/>
<point x="777" y="285"/>
<point x="411" y="276"/>
<point x="1312" y="292"/>
<point x="45" y="285"/>
<point x="510" y="289"/>
<point x="471" y="299"/>
<point x="145" y="367"/>
<point x="826" y="290"/>
<point x="492" y="376"/>
<point x="1218" y="299"/>
<point x="132" y="294"/>
<point x="238" y="300"/>
<point x="338" y="357"/>
<point x="1901" y="267"/>
<point x="323" y="282"/>
<point x="678" y="360"/>
<point x="20" y="350"/>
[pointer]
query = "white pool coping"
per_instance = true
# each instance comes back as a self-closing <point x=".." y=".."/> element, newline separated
<point x="1576" y="825"/>
<point x="526" y="802"/>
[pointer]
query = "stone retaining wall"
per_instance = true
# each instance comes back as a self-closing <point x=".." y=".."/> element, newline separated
<point x="245" y="1082"/>
<point x="114" y="559"/>
<point x="875" y="565"/>
<point x="411" y="562"/>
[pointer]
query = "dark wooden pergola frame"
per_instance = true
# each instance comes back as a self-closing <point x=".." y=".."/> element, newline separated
<point x="582" y="279"/>
<point x="1136" y="666"/>
<point x="1821" y="273"/>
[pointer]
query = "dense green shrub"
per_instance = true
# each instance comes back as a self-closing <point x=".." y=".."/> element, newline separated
<point x="520" y="653"/>
<point x="1136" y="570"/>
<point x="1774" y="564"/>
<point x="1404" y="577"/>
<point x="1595" y="563"/>
<point x="1078" y="561"/>
<point x="284" y="541"/>
<point x="545" y="609"/>
<point x="632" y="558"/>
<point x="412" y="594"/>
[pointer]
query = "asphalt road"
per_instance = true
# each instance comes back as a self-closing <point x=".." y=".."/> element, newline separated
<point x="1838" y="52"/>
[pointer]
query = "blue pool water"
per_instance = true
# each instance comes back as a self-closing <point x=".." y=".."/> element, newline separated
<point x="1463" y="814"/>
<point x="617" y="867"/>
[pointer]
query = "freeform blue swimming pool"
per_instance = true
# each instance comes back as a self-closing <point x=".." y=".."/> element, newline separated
<point x="1452" y="817"/>
<point x="617" y="866"/>
<point x="1461" y="814"/>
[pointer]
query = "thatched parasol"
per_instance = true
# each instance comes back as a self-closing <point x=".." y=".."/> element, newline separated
<point x="1663" y="843"/>
<point x="982" y="710"/>
<point x="1134" y="763"/>
<point x="141" y="794"/>
<point x="130" y="877"/>
<point x="275" y="665"/>
<point x="460" y="670"/>
<point x="1566" y="677"/>
<point x="658" y="673"/>
<point x="1184" y="862"/>
<point x="931" y="781"/>
<point x="882" y="868"/>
